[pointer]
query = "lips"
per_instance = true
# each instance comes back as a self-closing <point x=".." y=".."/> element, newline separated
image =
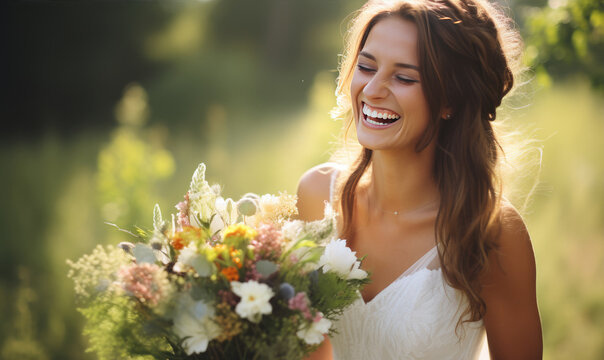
<point x="377" y="118"/>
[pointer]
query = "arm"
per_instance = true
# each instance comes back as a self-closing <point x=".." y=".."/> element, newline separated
<point x="512" y="317"/>
<point x="313" y="191"/>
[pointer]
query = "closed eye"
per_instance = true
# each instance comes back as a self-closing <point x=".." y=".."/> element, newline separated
<point x="365" y="68"/>
<point x="406" y="80"/>
<point x="402" y="79"/>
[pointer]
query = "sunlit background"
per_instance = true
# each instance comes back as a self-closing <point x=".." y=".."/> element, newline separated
<point x="108" y="107"/>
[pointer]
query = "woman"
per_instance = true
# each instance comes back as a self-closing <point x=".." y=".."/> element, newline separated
<point x="420" y="82"/>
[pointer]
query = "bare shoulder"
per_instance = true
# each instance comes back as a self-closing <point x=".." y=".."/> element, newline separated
<point x="514" y="249"/>
<point x="514" y="243"/>
<point x="509" y="291"/>
<point x="313" y="191"/>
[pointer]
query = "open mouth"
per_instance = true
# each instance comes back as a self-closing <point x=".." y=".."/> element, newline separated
<point x="378" y="118"/>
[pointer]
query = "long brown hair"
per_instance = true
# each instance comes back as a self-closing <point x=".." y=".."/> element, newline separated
<point x="467" y="50"/>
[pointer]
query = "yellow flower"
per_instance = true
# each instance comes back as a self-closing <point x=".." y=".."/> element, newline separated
<point x="240" y="231"/>
<point x="188" y="234"/>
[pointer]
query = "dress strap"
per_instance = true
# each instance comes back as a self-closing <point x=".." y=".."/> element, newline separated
<point x="332" y="183"/>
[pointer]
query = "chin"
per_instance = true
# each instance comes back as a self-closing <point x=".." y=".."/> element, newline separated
<point x="370" y="141"/>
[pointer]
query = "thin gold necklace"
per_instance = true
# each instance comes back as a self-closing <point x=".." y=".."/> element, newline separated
<point x="382" y="210"/>
<point x="396" y="212"/>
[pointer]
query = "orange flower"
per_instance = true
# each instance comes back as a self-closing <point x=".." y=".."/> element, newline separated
<point x="178" y="243"/>
<point x="230" y="273"/>
<point x="236" y="259"/>
<point x="184" y="237"/>
<point x="237" y="262"/>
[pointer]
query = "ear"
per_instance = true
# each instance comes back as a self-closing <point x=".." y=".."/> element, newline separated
<point x="446" y="113"/>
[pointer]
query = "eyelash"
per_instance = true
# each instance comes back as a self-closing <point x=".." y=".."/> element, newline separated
<point x="366" y="69"/>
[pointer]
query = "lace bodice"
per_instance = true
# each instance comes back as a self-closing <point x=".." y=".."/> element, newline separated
<point x="414" y="317"/>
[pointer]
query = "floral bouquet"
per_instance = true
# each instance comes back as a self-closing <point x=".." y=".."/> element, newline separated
<point x="219" y="280"/>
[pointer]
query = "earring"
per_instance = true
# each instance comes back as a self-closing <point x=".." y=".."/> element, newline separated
<point x="448" y="117"/>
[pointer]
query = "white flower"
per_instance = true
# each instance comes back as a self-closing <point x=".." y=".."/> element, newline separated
<point x="190" y="257"/>
<point x="293" y="230"/>
<point x="194" y="324"/>
<point x="270" y="204"/>
<point x="303" y="254"/>
<point x="202" y="197"/>
<point x="216" y="225"/>
<point x="274" y="209"/>
<point x="338" y="258"/>
<point x="226" y="214"/>
<point x="227" y="210"/>
<point x="254" y="299"/>
<point x="313" y="334"/>
<point x="320" y="231"/>
<point x="194" y="220"/>
<point x="185" y="258"/>
<point x="187" y="254"/>
<point x="161" y="254"/>
<point x="201" y="206"/>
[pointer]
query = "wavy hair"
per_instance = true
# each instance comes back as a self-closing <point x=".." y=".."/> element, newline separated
<point x="467" y="52"/>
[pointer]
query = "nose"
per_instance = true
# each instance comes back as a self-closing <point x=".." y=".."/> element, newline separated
<point x="376" y="88"/>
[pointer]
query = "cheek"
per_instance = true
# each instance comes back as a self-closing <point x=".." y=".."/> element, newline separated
<point x="412" y="100"/>
<point x="356" y="86"/>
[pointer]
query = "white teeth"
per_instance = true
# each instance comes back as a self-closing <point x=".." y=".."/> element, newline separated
<point x="374" y="114"/>
<point x="375" y="122"/>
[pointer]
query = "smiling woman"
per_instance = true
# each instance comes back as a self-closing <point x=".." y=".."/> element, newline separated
<point x="388" y="65"/>
<point x="450" y="258"/>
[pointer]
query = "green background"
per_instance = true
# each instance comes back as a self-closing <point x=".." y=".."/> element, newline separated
<point x="108" y="107"/>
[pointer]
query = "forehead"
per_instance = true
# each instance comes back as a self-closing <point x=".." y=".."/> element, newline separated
<point x="393" y="39"/>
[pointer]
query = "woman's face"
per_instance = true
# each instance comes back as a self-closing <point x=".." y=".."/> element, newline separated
<point x="390" y="109"/>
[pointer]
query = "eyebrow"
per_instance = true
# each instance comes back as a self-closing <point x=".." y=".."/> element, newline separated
<point x="402" y="65"/>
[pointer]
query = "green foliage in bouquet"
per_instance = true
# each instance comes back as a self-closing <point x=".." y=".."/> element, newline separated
<point x="114" y="324"/>
<point x="219" y="280"/>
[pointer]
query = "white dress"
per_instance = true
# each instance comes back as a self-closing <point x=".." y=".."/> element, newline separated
<point x="415" y="317"/>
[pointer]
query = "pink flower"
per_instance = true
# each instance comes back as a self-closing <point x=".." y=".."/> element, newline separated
<point x="143" y="281"/>
<point x="252" y="273"/>
<point x="318" y="317"/>
<point x="300" y="302"/>
<point x="267" y="243"/>
<point x="183" y="212"/>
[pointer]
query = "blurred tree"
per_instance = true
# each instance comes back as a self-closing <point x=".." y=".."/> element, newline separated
<point x="254" y="59"/>
<point x="132" y="163"/>
<point x="567" y="38"/>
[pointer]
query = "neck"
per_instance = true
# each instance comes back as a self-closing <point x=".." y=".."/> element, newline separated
<point x="402" y="182"/>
